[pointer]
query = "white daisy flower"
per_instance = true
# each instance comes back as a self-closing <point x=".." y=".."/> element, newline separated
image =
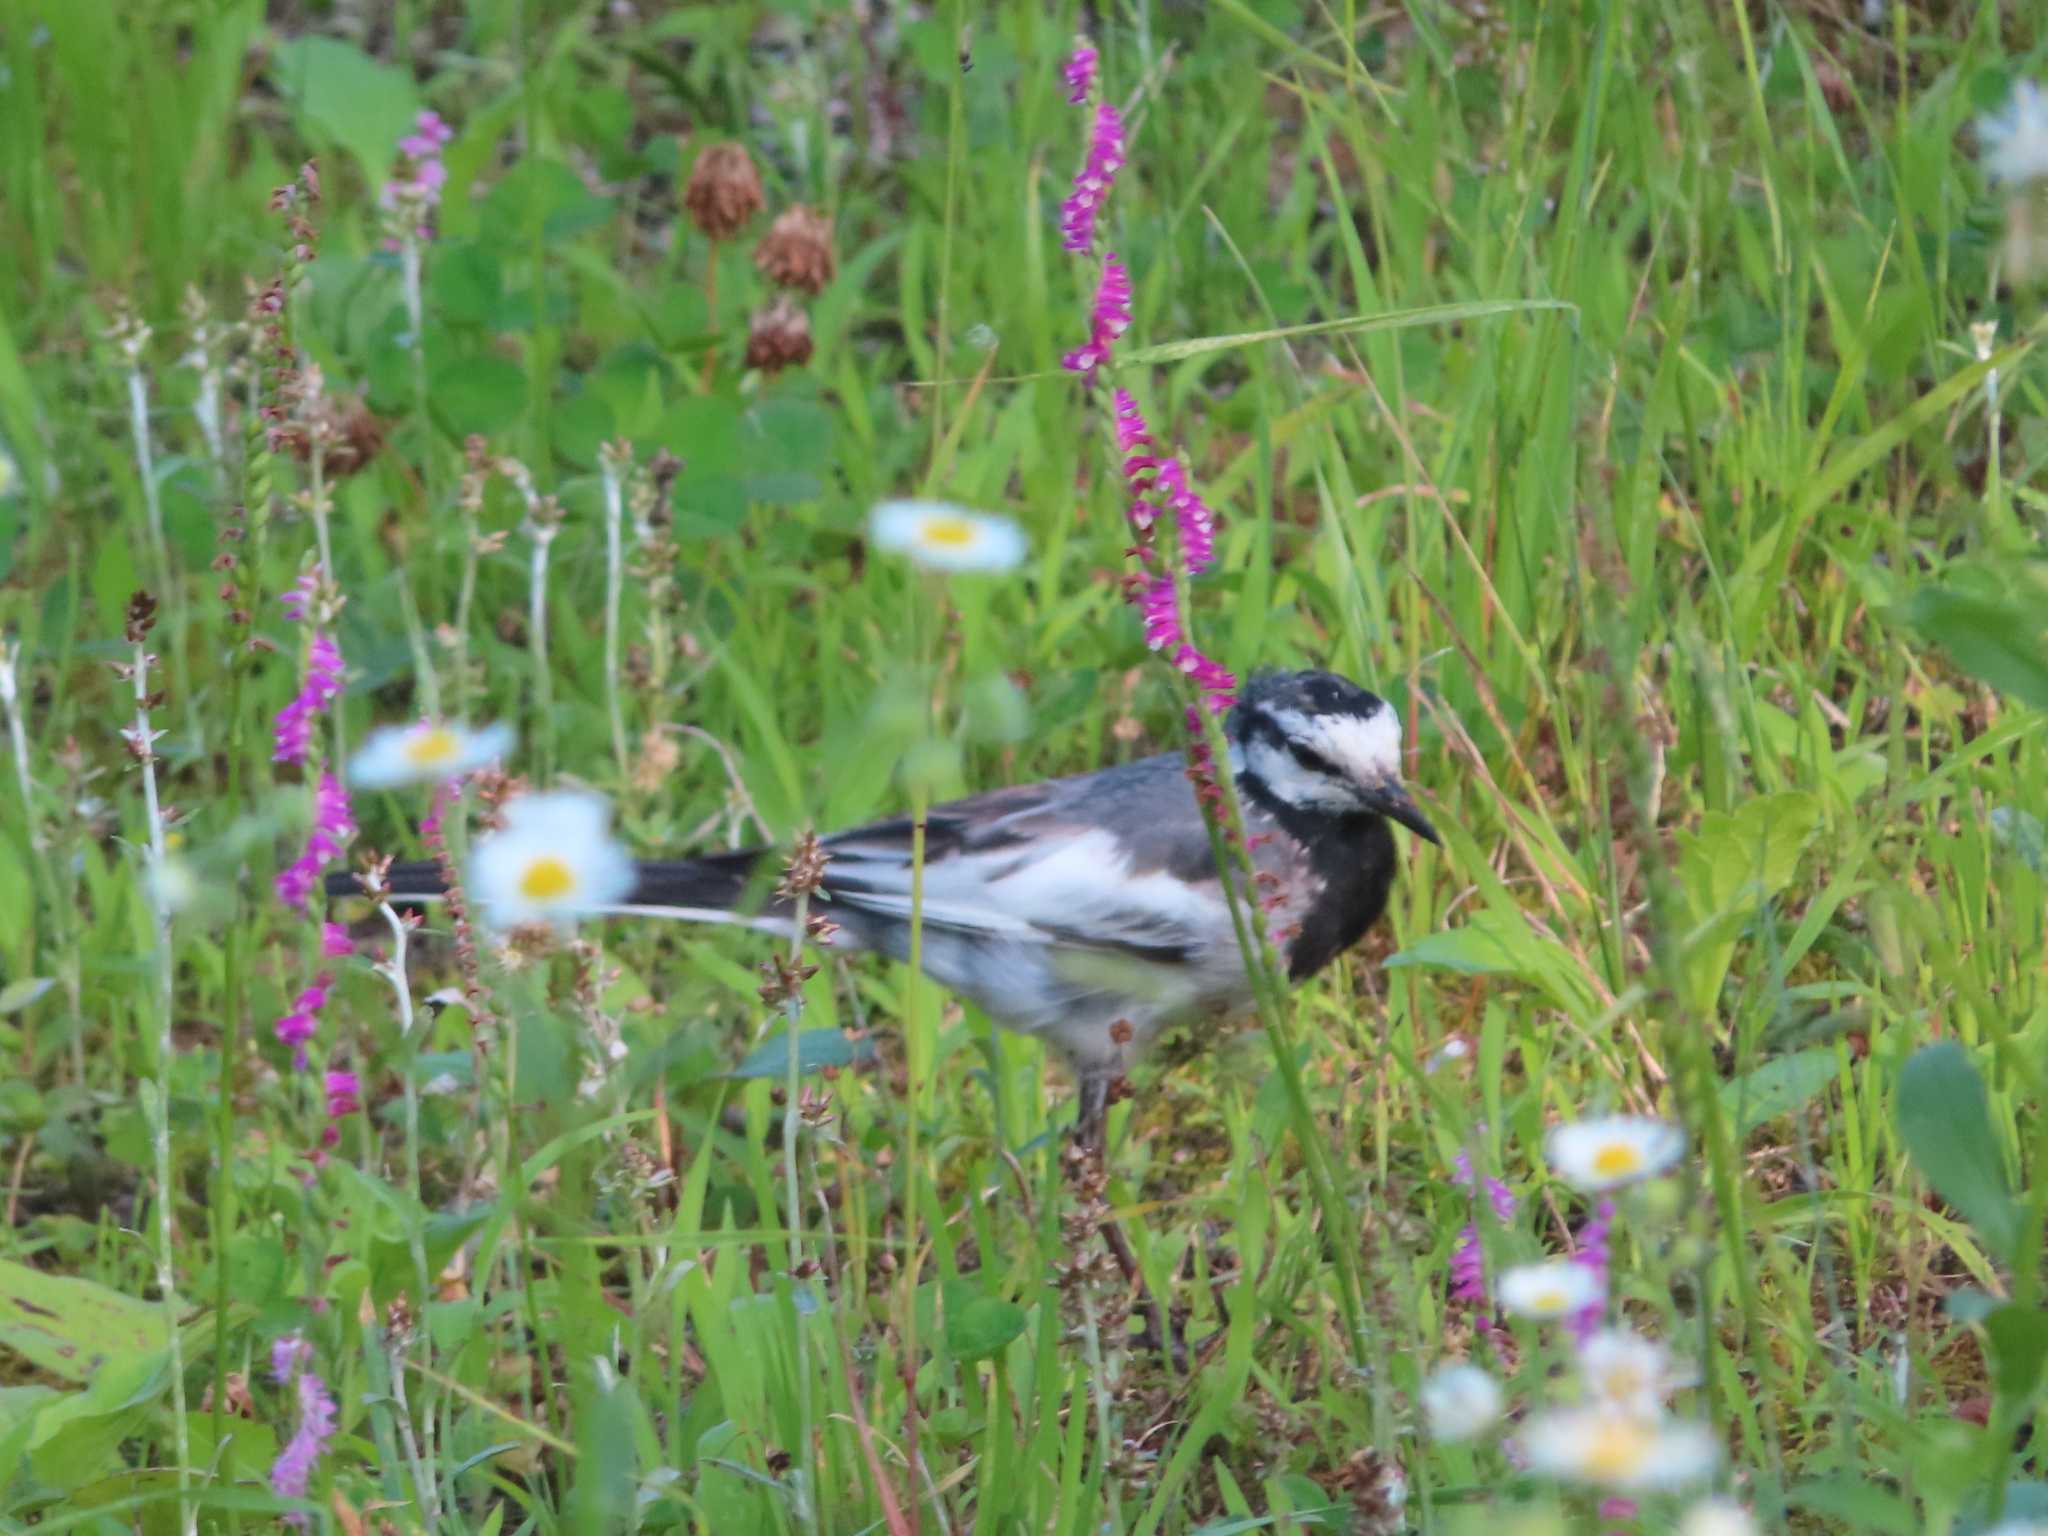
<point x="1596" y="1155"/>
<point x="1554" y="1289"/>
<point x="1628" y="1372"/>
<point x="553" y="860"/>
<point x="1622" y="1451"/>
<point x="425" y="752"/>
<point x="943" y="537"/>
<point x="2015" y="139"/>
<point x="1718" y="1517"/>
<point x="1460" y="1402"/>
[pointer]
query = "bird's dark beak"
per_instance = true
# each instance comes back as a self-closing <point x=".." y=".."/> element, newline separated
<point x="1391" y="801"/>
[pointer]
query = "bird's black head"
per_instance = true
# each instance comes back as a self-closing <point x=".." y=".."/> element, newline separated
<point x="1319" y="743"/>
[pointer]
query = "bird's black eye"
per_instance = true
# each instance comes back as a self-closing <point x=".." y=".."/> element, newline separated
<point x="1308" y="757"/>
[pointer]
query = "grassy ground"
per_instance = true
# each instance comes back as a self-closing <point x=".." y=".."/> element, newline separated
<point x="1704" y="591"/>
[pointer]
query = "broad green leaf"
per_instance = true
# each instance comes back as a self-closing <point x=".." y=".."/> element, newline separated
<point x="482" y="393"/>
<point x="1731" y="866"/>
<point x="1857" y="1502"/>
<point x="1945" y="1121"/>
<point x="816" y="1049"/>
<point x="74" y="1328"/>
<point x="1778" y="1087"/>
<point x="2019" y="1349"/>
<point x="1994" y="640"/>
<point x="980" y="1327"/>
<point x="345" y="97"/>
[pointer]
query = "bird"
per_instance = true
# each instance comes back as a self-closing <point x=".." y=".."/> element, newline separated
<point x="1087" y="910"/>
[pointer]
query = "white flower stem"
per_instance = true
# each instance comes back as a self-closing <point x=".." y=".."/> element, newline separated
<point x="537" y="640"/>
<point x="145" y="465"/>
<point x="160" y="1121"/>
<point x="17" y="737"/>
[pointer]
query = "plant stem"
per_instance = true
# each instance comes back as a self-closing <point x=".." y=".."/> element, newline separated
<point x="142" y="743"/>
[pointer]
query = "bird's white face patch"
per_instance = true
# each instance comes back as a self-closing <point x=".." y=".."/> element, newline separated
<point x="1362" y="751"/>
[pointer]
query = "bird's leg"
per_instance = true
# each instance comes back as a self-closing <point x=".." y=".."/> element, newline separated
<point x="1091" y="1124"/>
<point x="1091" y="1137"/>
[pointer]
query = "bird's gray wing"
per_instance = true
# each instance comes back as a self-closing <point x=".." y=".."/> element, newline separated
<point x="1116" y="860"/>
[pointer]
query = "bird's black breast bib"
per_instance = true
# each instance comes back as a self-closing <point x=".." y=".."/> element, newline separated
<point x="1353" y="857"/>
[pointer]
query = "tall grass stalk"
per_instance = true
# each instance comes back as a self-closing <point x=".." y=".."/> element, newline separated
<point x="158" y="1093"/>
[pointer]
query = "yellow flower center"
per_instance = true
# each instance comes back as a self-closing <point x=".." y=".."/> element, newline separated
<point x="428" y="748"/>
<point x="948" y="532"/>
<point x="1552" y="1300"/>
<point x="1616" y="1448"/>
<point x="547" y="878"/>
<point x="1623" y="1382"/>
<point x="1617" y="1160"/>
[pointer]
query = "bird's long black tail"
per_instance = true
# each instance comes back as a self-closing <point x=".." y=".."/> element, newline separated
<point x="739" y="883"/>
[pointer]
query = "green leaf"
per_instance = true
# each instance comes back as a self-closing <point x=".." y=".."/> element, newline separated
<point x="17" y="995"/>
<point x="345" y="97"/>
<point x="1996" y="641"/>
<point x="980" y="1326"/>
<point x="74" y="1328"/>
<point x="1778" y="1087"/>
<point x="482" y="393"/>
<point x="1945" y="1121"/>
<point x="1858" y="1503"/>
<point x="816" y="1049"/>
<point x="2019" y="1349"/>
<point x="465" y="284"/>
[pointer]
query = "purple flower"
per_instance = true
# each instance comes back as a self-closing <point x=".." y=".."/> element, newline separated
<point x="1593" y="1252"/>
<point x="1468" y="1260"/>
<point x="322" y="685"/>
<point x="1197" y="524"/>
<point x="415" y="188"/>
<point x="1093" y="181"/>
<point x="1468" y="1268"/>
<point x="344" y="1094"/>
<point x="1108" y="319"/>
<point x="335" y="943"/>
<point x="429" y="135"/>
<point x="301" y="594"/>
<point x="333" y="826"/>
<point x="1080" y="74"/>
<point x="291" y="1475"/>
<point x="296" y="1028"/>
<point x="1160" y="613"/>
<point x="287" y="1354"/>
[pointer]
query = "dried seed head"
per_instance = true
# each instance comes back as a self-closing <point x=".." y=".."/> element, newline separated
<point x="797" y="250"/>
<point x="805" y="871"/>
<point x="780" y="337"/>
<point x="141" y="617"/>
<point x="724" y="190"/>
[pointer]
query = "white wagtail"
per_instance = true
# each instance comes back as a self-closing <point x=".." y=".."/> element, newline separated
<point x="1087" y="910"/>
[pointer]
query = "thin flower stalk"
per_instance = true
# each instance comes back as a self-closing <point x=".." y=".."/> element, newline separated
<point x="1164" y="605"/>
<point x="614" y="460"/>
<point x="141" y="740"/>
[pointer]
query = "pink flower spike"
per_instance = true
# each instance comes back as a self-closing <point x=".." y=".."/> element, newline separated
<point x="1080" y="74"/>
<point x="1108" y="318"/>
<point x="335" y="943"/>
<point x="291" y="1475"/>
<point x="1159" y="613"/>
<point x="1196" y="523"/>
<point x="1092" y="183"/>
<point x="333" y="826"/>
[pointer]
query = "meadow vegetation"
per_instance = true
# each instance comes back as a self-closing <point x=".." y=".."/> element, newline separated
<point x="1643" y="397"/>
